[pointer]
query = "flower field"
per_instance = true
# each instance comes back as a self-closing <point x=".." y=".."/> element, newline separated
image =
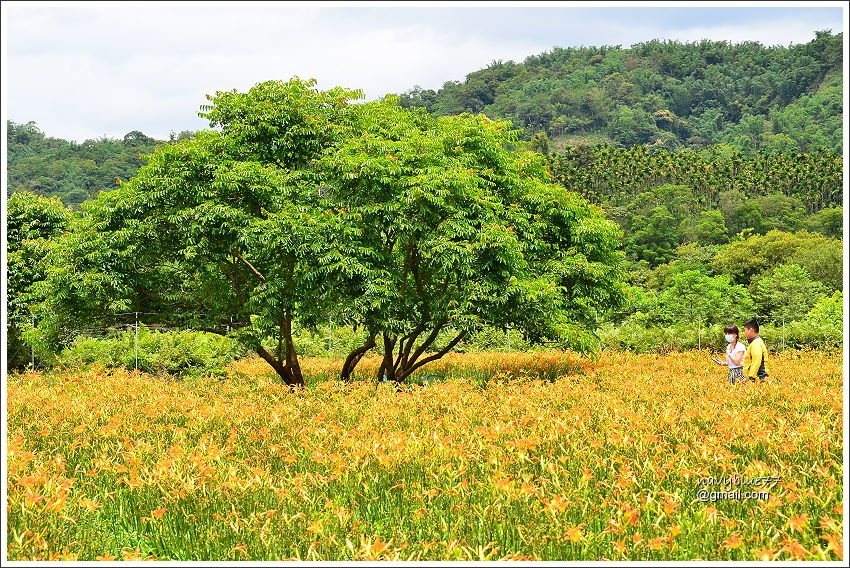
<point x="499" y="456"/>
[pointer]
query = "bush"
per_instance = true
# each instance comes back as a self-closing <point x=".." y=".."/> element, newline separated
<point x="633" y="336"/>
<point x="494" y="339"/>
<point x="325" y="341"/>
<point x="176" y="353"/>
<point x="821" y="328"/>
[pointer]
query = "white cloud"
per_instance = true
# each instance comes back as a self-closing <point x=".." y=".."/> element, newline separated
<point x="777" y="32"/>
<point x="85" y="72"/>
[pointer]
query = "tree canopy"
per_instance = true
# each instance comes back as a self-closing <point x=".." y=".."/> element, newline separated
<point x="33" y="223"/>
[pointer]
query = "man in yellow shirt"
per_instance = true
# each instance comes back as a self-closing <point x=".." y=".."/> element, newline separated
<point x="756" y="355"/>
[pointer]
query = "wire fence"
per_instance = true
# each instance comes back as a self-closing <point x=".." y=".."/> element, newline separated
<point x="134" y="321"/>
<point x="114" y="324"/>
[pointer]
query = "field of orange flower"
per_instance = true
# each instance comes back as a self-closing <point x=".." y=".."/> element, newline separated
<point x="518" y="456"/>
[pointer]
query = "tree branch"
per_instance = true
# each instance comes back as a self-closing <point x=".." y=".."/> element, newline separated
<point x="387" y="364"/>
<point x="434" y="357"/>
<point x="230" y="272"/>
<point x="275" y="364"/>
<point x="256" y="272"/>
<point x="411" y="339"/>
<point x="354" y="358"/>
<point x="398" y="359"/>
<point x="279" y="353"/>
<point x="427" y="343"/>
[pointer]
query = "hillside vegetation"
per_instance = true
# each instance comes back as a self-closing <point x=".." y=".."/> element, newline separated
<point x="663" y="93"/>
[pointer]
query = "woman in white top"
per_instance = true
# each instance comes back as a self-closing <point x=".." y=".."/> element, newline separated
<point x="735" y="352"/>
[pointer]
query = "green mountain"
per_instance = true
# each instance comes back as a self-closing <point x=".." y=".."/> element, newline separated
<point x="663" y="94"/>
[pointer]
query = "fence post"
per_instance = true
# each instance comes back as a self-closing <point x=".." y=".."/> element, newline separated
<point x="32" y="347"/>
<point x="136" y="343"/>
<point x="783" y="331"/>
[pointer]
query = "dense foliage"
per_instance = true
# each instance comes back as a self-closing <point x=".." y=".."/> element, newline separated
<point x="665" y="94"/>
<point x="73" y="172"/>
<point x="33" y="223"/>
<point x="664" y="199"/>
<point x="791" y="282"/>
<point x="171" y="353"/>
<point x="718" y="177"/>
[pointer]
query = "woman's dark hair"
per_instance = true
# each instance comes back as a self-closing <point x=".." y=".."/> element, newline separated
<point x="753" y="325"/>
<point x="731" y="328"/>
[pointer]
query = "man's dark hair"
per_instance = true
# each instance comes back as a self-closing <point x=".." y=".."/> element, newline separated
<point x="731" y="328"/>
<point x="753" y="325"/>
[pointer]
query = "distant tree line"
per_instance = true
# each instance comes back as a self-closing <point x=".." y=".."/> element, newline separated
<point x="663" y="199"/>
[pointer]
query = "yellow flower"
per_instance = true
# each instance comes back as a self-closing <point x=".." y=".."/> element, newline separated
<point x="657" y="543"/>
<point x="794" y="548"/>
<point x="798" y="522"/>
<point x="833" y="543"/>
<point x="315" y="527"/>
<point x="733" y="541"/>
<point x="619" y="545"/>
<point x="576" y="533"/>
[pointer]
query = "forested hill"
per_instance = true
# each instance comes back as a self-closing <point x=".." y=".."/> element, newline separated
<point x="73" y="172"/>
<point x="664" y="94"/>
<point x="744" y="98"/>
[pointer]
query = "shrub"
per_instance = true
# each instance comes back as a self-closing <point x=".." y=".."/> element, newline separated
<point x="633" y="336"/>
<point x="177" y="353"/>
<point x="820" y="328"/>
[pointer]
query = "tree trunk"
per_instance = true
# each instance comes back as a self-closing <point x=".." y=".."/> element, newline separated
<point x="398" y="368"/>
<point x="286" y="366"/>
<point x="354" y="358"/>
<point x="291" y="355"/>
<point x="413" y="365"/>
<point x="387" y="368"/>
<point x="282" y="370"/>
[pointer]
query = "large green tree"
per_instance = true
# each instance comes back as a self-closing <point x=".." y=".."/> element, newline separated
<point x="461" y="233"/>
<point x="304" y="209"/>
<point x="654" y="237"/>
<point x="743" y="260"/>
<point x="786" y="292"/>
<point x="695" y="298"/>
<point x="222" y="230"/>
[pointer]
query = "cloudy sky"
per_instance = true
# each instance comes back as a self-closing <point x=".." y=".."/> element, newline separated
<point x="88" y="70"/>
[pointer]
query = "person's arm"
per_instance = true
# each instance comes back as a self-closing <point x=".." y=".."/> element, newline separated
<point x="755" y="360"/>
